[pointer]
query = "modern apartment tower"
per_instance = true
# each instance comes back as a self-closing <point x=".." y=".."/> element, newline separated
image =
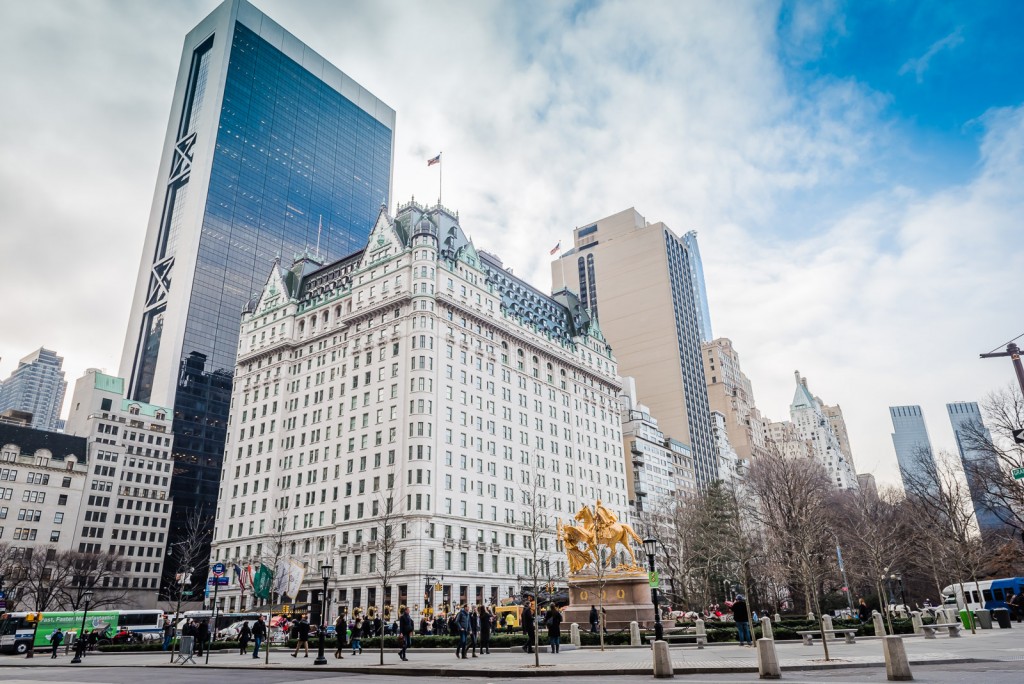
<point x="36" y="386"/>
<point x="270" y="151"/>
<point x="909" y="439"/>
<point x="637" y="279"/>
<point x="731" y="394"/>
<point x="969" y="430"/>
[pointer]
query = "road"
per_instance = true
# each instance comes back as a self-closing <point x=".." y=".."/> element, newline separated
<point x="990" y="673"/>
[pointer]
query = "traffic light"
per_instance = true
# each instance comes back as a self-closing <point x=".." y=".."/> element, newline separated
<point x="33" y="618"/>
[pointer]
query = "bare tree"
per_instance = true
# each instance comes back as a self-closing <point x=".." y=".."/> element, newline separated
<point x="793" y="496"/>
<point x="48" y="573"/>
<point x="95" y="572"/>
<point x="536" y="533"/>
<point x="13" y="572"/>
<point x="271" y="554"/>
<point x="382" y="561"/>
<point x="187" y="558"/>
<point x="876" y="533"/>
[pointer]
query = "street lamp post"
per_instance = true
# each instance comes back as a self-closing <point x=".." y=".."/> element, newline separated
<point x="80" y="648"/>
<point x="325" y="573"/>
<point x="651" y="548"/>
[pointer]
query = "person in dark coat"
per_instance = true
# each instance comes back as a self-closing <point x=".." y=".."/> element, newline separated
<point x="405" y="628"/>
<point x="742" y="617"/>
<point x="474" y="629"/>
<point x="244" y="635"/>
<point x="529" y="628"/>
<point x="340" y="627"/>
<point x="301" y="628"/>
<point x="594" y="619"/>
<point x="462" y="627"/>
<point x="554" y="624"/>
<point x="202" y="637"/>
<point x="56" y="639"/>
<point x="863" y="611"/>
<point x="259" y="633"/>
<point x="484" y="618"/>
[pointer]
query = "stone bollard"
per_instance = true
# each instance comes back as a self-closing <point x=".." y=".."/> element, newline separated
<point x="915" y="619"/>
<point x="876" y="617"/>
<point x="766" y="628"/>
<point x="700" y="628"/>
<point x="662" y="661"/>
<point x="634" y="633"/>
<point x="810" y="616"/>
<point x="574" y="635"/>
<point x="897" y="667"/>
<point x="826" y="623"/>
<point x="767" y="660"/>
<point x="776" y="618"/>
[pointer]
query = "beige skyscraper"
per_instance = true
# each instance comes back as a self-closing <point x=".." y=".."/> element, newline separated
<point x="730" y="393"/>
<point x="639" y="280"/>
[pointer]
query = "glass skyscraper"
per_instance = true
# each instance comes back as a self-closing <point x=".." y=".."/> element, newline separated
<point x="965" y="418"/>
<point x="36" y="386"/>
<point x="909" y="439"/>
<point x="270" y="152"/>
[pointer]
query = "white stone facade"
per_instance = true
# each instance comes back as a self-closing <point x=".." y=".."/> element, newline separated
<point x="421" y="370"/>
<point x="813" y="425"/>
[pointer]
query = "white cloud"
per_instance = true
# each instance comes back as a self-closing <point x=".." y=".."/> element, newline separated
<point x="549" y="115"/>
<point x="919" y="65"/>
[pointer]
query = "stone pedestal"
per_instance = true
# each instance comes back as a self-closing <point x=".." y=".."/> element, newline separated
<point x="627" y="598"/>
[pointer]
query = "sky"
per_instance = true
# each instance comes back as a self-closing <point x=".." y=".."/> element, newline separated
<point x="854" y="170"/>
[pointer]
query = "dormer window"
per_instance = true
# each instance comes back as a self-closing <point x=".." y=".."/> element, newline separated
<point x="133" y="409"/>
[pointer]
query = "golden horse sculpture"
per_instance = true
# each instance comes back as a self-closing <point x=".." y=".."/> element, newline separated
<point x="599" y="527"/>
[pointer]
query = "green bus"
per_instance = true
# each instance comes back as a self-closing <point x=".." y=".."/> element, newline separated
<point x="17" y="632"/>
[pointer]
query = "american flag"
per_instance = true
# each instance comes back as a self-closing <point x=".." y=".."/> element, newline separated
<point x="435" y="160"/>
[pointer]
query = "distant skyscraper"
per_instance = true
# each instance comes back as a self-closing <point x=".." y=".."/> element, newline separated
<point x="730" y="394"/>
<point x="36" y="386"/>
<point x="909" y="438"/>
<point x="700" y="290"/>
<point x="637" y="280"/>
<point x="270" y="151"/>
<point x="813" y="425"/>
<point x="965" y="417"/>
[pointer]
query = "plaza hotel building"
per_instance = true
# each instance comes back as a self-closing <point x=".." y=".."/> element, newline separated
<point x="419" y="371"/>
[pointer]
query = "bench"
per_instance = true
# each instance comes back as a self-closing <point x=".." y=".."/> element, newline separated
<point x="953" y="627"/>
<point x="700" y="639"/>
<point x="849" y="635"/>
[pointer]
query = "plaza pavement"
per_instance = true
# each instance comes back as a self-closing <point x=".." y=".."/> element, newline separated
<point x="985" y="646"/>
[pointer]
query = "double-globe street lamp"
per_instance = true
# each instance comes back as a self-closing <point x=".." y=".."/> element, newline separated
<point x="325" y="574"/>
<point x="80" y="646"/>
<point x="651" y="548"/>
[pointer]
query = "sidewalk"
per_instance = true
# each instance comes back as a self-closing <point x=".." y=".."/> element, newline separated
<point x="988" y="645"/>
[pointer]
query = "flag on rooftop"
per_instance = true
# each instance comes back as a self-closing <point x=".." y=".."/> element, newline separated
<point x="557" y="248"/>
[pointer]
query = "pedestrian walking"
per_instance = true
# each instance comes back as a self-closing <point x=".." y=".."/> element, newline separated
<point x="474" y="629"/>
<point x="742" y="618"/>
<point x="357" y="635"/>
<point x="202" y="636"/>
<point x="484" y="618"/>
<point x="56" y="639"/>
<point x="405" y="629"/>
<point x="593" y="619"/>
<point x="529" y="627"/>
<point x="244" y="635"/>
<point x="259" y="633"/>
<point x="462" y="624"/>
<point x="168" y="634"/>
<point x="340" y="628"/>
<point x="554" y="624"/>
<point x="301" y="627"/>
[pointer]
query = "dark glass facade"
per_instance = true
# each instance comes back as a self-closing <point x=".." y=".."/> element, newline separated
<point x="297" y="166"/>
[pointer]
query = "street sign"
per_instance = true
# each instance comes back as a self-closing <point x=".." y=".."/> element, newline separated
<point x="1018" y="473"/>
<point x="218" y="581"/>
<point x="653" y="579"/>
<point x="1018" y="436"/>
<point x="186" y="593"/>
<point x="218" y="569"/>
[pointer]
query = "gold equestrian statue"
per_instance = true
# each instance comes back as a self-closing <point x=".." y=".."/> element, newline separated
<point x="598" y="527"/>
